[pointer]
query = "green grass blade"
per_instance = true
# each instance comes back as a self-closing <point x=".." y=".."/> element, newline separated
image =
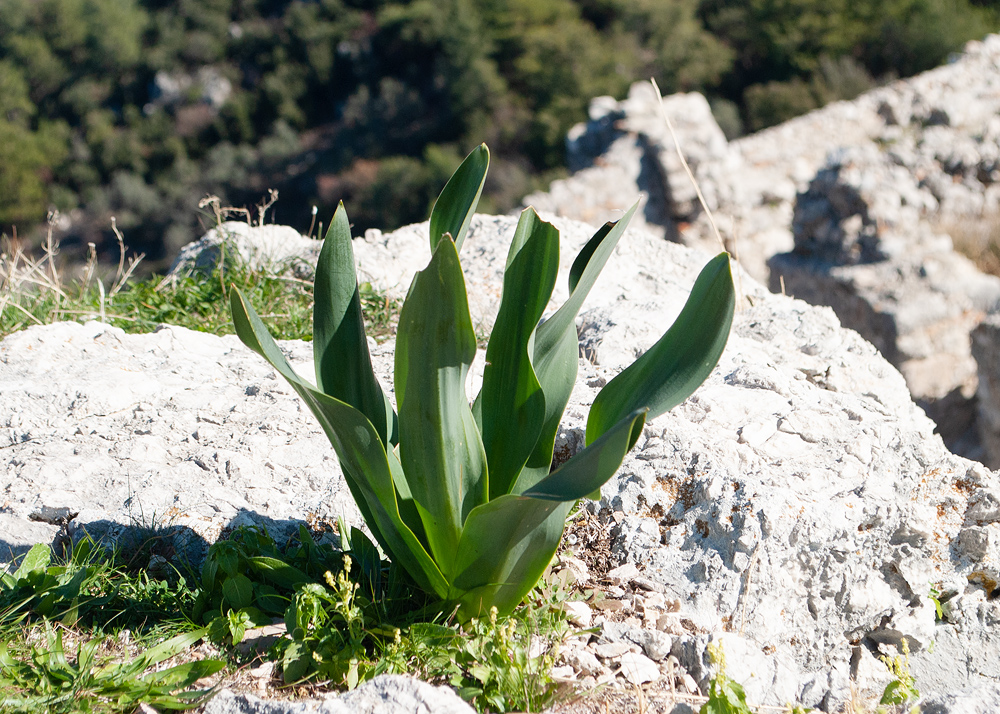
<point x="174" y="646"/>
<point x="362" y="455"/>
<point x="183" y="675"/>
<point x="680" y="361"/>
<point x="510" y="408"/>
<point x="556" y="349"/>
<point x="440" y="448"/>
<point x="508" y="542"/>
<point x="457" y="203"/>
<point x="340" y="347"/>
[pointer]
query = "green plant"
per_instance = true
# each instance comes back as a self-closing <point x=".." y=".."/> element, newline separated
<point x="48" y="679"/>
<point x="903" y="688"/>
<point x="462" y="496"/>
<point x="725" y="696"/>
<point x="348" y="616"/>
<point x="43" y="602"/>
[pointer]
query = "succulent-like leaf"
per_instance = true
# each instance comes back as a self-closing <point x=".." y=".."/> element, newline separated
<point x="508" y="542"/>
<point x="680" y="361"/>
<point x="363" y="457"/>
<point x="440" y="448"/>
<point x="557" y="348"/>
<point x="340" y="348"/>
<point x="457" y="203"/>
<point x="510" y="409"/>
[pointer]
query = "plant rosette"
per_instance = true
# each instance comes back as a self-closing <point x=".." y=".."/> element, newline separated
<point x="461" y="494"/>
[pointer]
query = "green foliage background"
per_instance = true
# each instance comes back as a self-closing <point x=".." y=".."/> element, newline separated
<point x="376" y="101"/>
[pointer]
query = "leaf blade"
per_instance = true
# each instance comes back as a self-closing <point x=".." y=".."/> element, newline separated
<point x="556" y="348"/>
<point x="508" y="542"/>
<point x="363" y="457"/>
<point x="669" y="371"/>
<point x="452" y="212"/>
<point x="510" y="408"/>
<point x="340" y="346"/>
<point x="441" y="451"/>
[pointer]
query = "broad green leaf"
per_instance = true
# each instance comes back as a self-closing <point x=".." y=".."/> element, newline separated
<point x="510" y="409"/>
<point x="457" y="203"/>
<point x="557" y="348"/>
<point x="508" y="542"/>
<point x="278" y="571"/>
<point x="680" y="361"/>
<point x="440" y="448"/>
<point x="362" y="455"/>
<point x="295" y="663"/>
<point x="237" y="590"/>
<point x="35" y="560"/>
<point x="590" y="468"/>
<point x="340" y="347"/>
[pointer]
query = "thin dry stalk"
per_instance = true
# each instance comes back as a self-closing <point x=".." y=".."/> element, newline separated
<point x="687" y="168"/>
<point x="694" y="182"/>
<point x="272" y="197"/>
<point x="52" y="247"/>
<point x="123" y="274"/>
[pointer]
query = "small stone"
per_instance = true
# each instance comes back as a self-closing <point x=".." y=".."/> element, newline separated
<point x="564" y="672"/>
<point x="576" y="567"/>
<point x="610" y="650"/>
<point x="689" y="685"/>
<point x="655" y="599"/>
<point x="641" y="581"/>
<point x="259" y="639"/>
<point x="606" y="678"/>
<point x="579" y="613"/>
<point x="670" y="622"/>
<point x="585" y="663"/>
<point x="622" y="574"/>
<point x="263" y="671"/>
<point x="610" y="605"/>
<point x="638" y="669"/>
<point x="654" y="643"/>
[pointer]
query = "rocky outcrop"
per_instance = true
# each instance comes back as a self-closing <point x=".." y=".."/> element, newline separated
<point x="798" y="508"/>
<point x="943" y="122"/>
<point x="626" y="148"/>
<point x="848" y="206"/>
<point x="986" y="351"/>
<point x="863" y="246"/>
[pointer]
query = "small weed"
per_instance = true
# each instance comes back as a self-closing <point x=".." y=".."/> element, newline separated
<point x="724" y="695"/>
<point x="349" y="615"/>
<point x="86" y="633"/>
<point x="903" y="688"/>
<point x="82" y="598"/>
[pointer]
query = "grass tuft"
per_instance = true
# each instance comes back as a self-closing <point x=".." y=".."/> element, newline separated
<point x="34" y="291"/>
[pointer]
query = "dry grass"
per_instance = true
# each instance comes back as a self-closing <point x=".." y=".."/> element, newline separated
<point x="977" y="238"/>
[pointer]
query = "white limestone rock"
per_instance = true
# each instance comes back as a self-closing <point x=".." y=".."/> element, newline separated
<point x="385" y="694"/>
<point x="798" y="505"/>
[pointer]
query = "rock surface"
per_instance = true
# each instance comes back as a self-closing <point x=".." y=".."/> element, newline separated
<point x="386" y="694"/>
<point x="986" y="351"/>
<point x="863" y="246"/>
<point x="942" y="124"/>
<point x="798" y="508"/>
